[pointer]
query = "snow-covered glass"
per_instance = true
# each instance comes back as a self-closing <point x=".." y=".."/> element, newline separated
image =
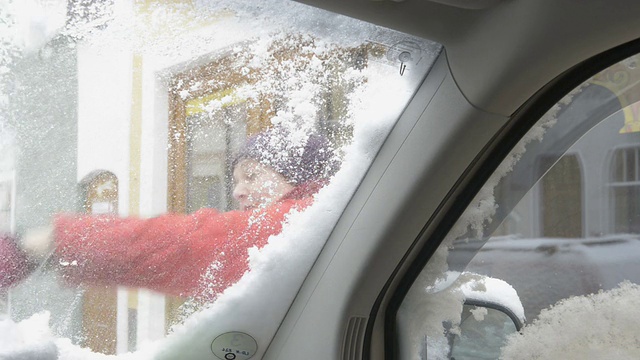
<point x="550" y="240"/>
<point x="170" y="170"/>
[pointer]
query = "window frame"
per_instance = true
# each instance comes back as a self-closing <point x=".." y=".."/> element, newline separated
<point x="227" y="74"/>
<point x="214" y="71"/>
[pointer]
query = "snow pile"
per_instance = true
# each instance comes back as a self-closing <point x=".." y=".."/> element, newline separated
<point x="597" y="326"/>
<point x="26" y="25"/>
<point x="32" y="339"/>
<point x="29" y="339"/>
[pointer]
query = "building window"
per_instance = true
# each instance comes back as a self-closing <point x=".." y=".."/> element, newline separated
<point x="215" y="106"/>
<point x="561" y="198"/>
<point x="625" y="190"/>
<point x="212" y="139"/>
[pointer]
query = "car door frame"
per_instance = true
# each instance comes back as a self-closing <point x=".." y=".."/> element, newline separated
<point x="456" y="202"/>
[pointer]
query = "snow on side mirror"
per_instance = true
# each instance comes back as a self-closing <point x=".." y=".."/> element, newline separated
<point x="483" y="330"/>
<point x="491" y="312"/>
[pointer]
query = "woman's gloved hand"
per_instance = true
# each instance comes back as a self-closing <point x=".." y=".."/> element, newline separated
<point x="15" y="265"/>
<point x="38" y="242"/>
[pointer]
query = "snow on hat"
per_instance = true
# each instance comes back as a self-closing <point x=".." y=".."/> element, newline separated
<point x="298" y="160"/>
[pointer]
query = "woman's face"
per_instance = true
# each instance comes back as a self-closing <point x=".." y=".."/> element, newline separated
<point x="257" y="184"/>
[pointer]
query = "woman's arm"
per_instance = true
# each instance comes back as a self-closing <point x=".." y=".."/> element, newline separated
<point x="171" y="253"/>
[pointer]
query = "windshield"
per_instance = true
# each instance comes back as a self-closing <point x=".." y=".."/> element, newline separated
<point x="169" y="170"/>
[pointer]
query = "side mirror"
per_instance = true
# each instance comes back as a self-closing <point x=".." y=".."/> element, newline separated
<point x="483" y="330"/>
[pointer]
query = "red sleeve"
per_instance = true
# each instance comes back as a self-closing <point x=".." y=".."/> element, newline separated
<point x="177" y="254"/>
<point x="14" y="264"/>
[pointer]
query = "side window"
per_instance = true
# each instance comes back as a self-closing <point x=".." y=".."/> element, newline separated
<point x="556" y="248"/>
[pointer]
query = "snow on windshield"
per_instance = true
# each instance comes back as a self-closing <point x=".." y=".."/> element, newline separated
<point x="369" y="97"/>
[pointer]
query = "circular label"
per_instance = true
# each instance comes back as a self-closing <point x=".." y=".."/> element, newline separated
<point x="234" y="346"/>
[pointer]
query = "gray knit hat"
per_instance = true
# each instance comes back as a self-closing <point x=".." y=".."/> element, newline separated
<point x="298" y="160"/>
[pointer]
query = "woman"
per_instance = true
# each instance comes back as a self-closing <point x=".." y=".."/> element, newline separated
<point x="185" y="254"/>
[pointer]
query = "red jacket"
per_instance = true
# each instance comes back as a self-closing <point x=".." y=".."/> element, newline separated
<point x="197" y="254"/>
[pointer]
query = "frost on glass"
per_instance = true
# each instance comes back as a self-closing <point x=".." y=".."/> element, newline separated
<point x="557" y="222"/>
<point x="128" y="110"/>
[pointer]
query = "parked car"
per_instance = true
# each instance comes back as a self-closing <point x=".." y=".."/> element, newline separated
<point x="406" y="144"/>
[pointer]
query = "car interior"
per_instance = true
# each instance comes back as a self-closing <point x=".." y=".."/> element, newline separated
<point x="504" y="64"/>
<point x="509" y="183"/>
